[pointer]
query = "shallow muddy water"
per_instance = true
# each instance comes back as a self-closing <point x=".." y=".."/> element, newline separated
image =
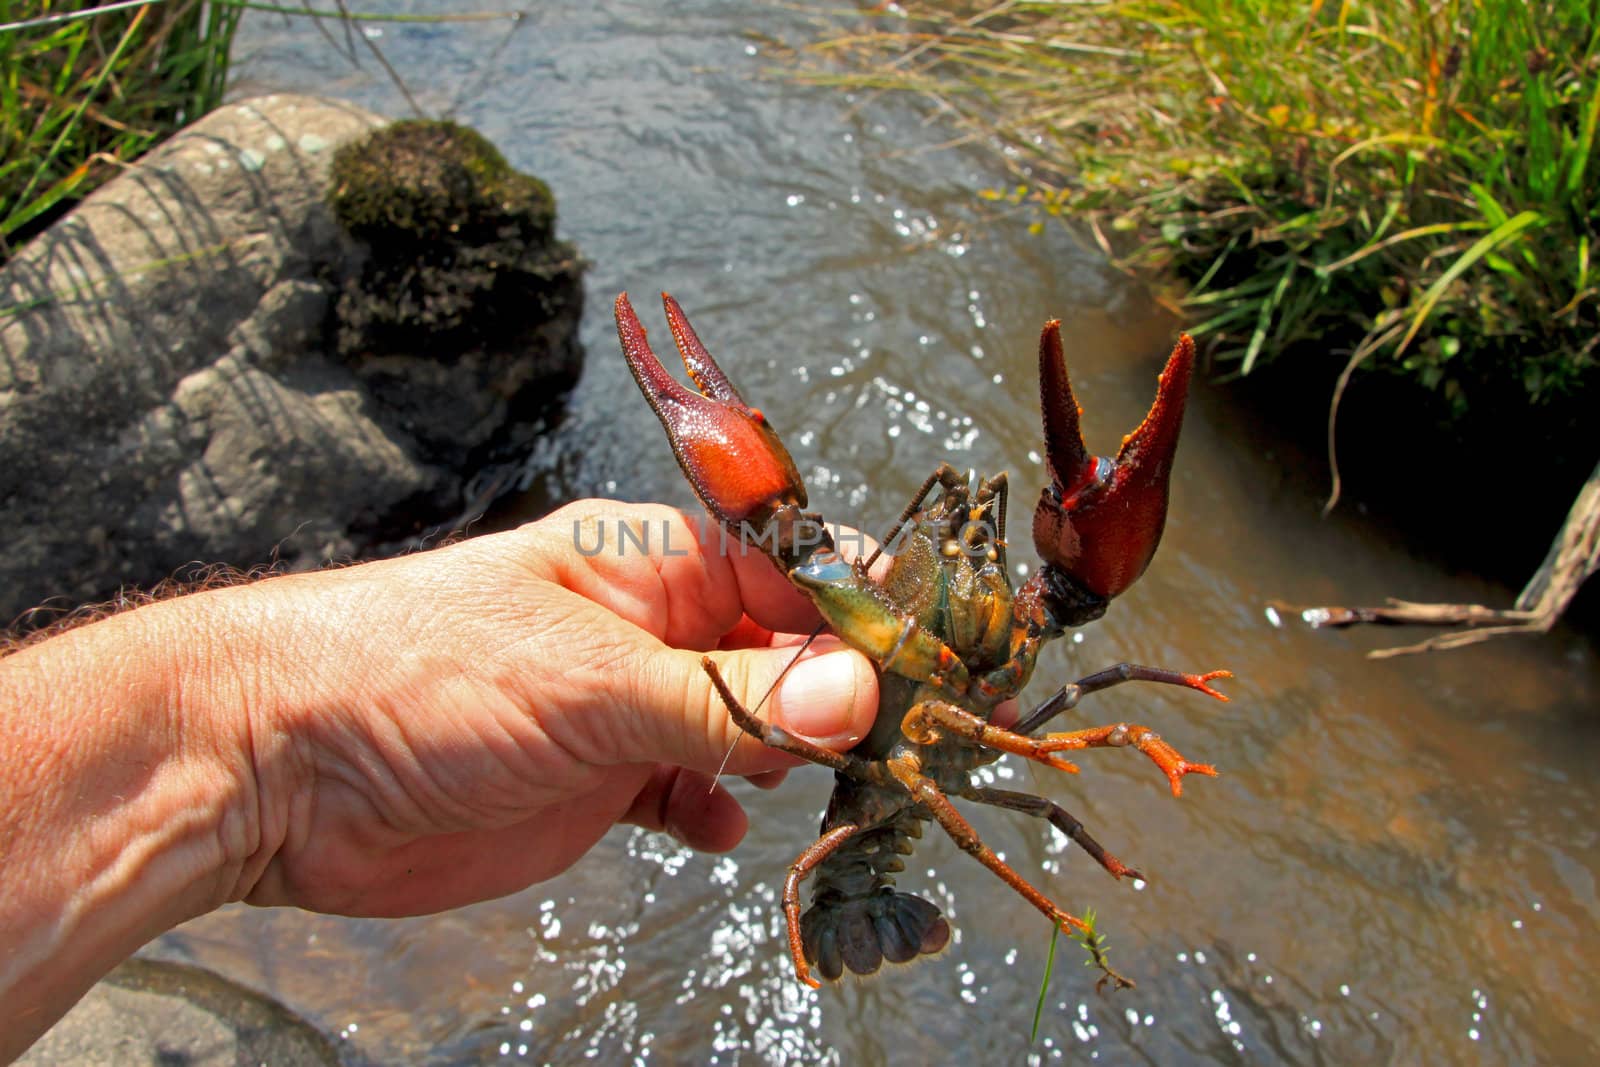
<point x="1399" y="861"/>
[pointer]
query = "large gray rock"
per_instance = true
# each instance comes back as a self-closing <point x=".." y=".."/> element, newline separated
<point x="174" y="385"/>
<point x="149" y="1013"/>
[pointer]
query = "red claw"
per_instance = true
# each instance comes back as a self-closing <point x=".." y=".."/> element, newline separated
<point x="1100" y="520"/>
<point x="733" y="459"/>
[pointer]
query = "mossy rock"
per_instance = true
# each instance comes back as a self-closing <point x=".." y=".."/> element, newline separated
<point x="423" y="180"/>
<point x="461" y="247"/>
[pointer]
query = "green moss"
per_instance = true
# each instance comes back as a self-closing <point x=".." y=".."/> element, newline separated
<point x="461" y="247"/>
<point x="425" y="180"/>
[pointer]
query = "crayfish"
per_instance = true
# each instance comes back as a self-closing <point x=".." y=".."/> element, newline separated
<point x="950" y="637"/>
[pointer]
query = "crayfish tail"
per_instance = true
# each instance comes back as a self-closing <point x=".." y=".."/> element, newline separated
<point x="858" y="934"/>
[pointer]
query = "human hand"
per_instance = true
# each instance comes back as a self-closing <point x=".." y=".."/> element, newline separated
<point x="453" y="726"/>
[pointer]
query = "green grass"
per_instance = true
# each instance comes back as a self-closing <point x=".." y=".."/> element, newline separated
<point x="83" y="93"/>
<point x="1409" y="185"/>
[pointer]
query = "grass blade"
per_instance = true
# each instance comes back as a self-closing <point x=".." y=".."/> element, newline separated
<point x="1044" y="984"/>
<point x="1501" y="234"/>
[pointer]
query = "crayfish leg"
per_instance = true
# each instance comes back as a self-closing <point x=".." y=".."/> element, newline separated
<point x="1117" y="735"/>
<point x="928" y="719"/>
<point x="1058" y="817"/>
<point x="945" y="476"/>
<point x="926" y="791"/>
<point x="778" y="738"/>
<point x="1123" y="734"/>
<point x="804" y="864"/>
<point x="1067" y="696"/>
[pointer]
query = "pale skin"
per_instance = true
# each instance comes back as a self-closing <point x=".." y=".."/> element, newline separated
<point x="389" y="739"/>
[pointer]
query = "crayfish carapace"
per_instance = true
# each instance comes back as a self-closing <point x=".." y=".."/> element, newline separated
<point x="949" y="636"/>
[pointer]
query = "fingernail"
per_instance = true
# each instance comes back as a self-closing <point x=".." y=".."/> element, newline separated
<point x="817" y="700"/>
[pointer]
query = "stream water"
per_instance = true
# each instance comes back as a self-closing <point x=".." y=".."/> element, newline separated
<point x="1399" y="861"/>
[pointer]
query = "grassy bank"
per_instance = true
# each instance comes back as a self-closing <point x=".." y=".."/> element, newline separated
<point x="84" y="91"/>
<point x="1404" y="186"/>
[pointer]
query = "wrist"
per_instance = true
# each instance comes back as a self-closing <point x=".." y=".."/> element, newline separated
<point x="130" y="802"/>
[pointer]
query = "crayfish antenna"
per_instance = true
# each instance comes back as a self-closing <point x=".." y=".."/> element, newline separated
<point x="728" y="755"/>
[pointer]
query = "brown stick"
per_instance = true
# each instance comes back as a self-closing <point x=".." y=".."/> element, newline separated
<point x="1574" y="556"/>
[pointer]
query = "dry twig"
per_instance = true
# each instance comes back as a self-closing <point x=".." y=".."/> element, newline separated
<point x="1573" y="557"/>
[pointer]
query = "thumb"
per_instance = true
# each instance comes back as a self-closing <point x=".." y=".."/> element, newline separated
<point x="830" y="697"/>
